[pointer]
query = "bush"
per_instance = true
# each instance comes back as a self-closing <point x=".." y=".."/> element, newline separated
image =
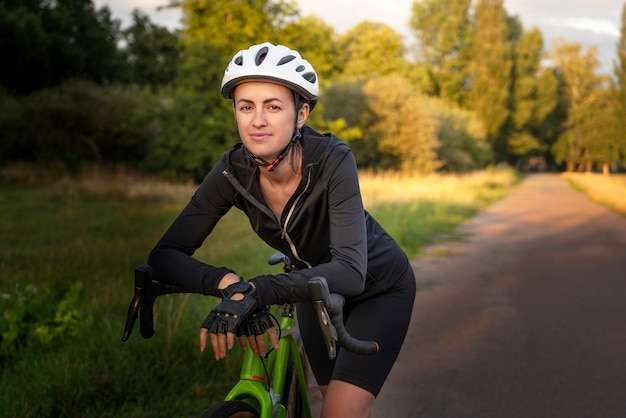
<point x="34" y="316"/>
<point x="77" y="123"/>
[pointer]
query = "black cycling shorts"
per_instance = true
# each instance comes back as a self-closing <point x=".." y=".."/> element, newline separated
<point x="383" y="318"/>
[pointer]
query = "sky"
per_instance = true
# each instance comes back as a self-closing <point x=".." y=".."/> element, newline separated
<point x="587" y="22"/>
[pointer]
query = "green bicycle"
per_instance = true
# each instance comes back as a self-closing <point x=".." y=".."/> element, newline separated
<point x="274" y="385"/>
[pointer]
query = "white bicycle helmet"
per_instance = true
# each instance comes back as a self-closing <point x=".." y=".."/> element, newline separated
<point x="275" y="63"/>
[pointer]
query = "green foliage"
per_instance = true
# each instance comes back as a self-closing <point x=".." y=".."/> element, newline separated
<point x="34" y="316"/>
<point x="492" y="64"/>
<point x="442" y="29"/>
<point x="14" y="145"/>
<point x="400" y="128"/>
<point x="233" y="25"/>
<point x="371" y="49"/>
<point x="534" y="94"/>
<point x="315" y="40"/>
<point x="523" y="143"/>
<point x="47" y="42"/>
<point x="195" y="123"/>
<point x="405" y="125"/>
<point x="190" y="139"/>
<point x="589" y="137"/>
<point x="620" y="63"/>
<point x="151" y="53"/>
<point x="54" y="236"/>
<point x="619" y="87"/>
<point x="346" y="101"/>
<point x="76" y="123"/>
<point x="463" y="141"/>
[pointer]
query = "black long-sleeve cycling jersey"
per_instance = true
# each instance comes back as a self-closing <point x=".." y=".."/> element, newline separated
<point x="324" y="228"/>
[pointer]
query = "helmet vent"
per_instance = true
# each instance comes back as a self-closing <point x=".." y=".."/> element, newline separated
<point x="310" y="77"/>
<point x="260" y="56"/>
<point x="238" y="60"/>
<point x="286" y="59"/>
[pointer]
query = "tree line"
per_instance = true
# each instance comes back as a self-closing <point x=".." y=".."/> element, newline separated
<point x="476" y="89"/>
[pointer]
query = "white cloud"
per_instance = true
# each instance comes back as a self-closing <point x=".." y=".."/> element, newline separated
<point x="599" y="26"/>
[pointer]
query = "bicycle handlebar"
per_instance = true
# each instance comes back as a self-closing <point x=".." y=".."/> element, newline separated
<point x="329" y="307"/>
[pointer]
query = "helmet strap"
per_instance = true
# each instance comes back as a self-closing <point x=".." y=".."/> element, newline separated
<point x="271" y="166"/>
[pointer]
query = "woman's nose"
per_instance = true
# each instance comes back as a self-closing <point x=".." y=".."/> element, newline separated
<point x="259" y="118"/>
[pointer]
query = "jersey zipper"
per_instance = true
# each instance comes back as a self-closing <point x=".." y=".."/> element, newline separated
<point x="284" y="235"/>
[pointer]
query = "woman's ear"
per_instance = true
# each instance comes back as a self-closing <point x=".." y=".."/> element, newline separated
<point x="303" y="115"/>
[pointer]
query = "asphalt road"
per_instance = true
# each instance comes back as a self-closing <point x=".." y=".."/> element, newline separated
<point x="526" y="317"/>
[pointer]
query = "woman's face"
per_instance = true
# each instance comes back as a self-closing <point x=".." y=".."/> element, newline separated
<point x="266" y="117"/>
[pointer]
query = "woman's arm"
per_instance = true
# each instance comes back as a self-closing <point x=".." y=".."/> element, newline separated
<point x="172" y="257"/>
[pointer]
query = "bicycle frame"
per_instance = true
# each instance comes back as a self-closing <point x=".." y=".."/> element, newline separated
<point x="262" y="385"/>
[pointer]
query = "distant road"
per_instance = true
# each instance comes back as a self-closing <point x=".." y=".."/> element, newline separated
<point x="525" y="318"/>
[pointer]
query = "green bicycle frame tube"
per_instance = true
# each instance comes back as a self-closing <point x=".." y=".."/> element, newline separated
<point x="252" y="386"/>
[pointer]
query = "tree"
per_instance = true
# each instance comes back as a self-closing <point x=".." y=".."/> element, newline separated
<point x="619" y="66"/>
<point x="587" y="138"/>
<point x="45" y="42"/>
<point x="196" y="123"/>
<point x="152" y="52"/>
<point x="620" y="86"/>
<point x="82" y="122"/>
<point x="491" y="72"/>
<point x="606" y="143"/>
<point x="534" y="97"/>
<point x="371" y="49"/>
<point x="316" y="41"/>
<point x="463" y="142"/>
<point x="23" y="49"/>
<point x="344" y="100"/>
<point x="441" y="28"/>
<point x="405" y="125"/>
<point x="231" y="25"/>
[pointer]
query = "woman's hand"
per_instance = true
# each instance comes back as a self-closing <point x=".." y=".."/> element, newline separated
<point x="239" y="301"/>
<point x="254" y="328"/>
<point x="223" y="342"/>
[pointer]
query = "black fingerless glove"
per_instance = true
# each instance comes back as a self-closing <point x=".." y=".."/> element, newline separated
<point x="255" y="324"/>
<point x="227" y="316"/>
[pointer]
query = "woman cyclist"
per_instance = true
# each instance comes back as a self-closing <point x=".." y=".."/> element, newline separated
<point x="300" y="191"/>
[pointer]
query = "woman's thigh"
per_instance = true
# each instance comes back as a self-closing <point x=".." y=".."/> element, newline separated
<point x="383" y="318"/>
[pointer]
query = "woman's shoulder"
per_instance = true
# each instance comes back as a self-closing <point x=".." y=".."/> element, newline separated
<point x="323" y="142"/>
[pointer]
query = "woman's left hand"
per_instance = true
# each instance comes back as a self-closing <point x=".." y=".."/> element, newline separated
<point x="254" y="328"/>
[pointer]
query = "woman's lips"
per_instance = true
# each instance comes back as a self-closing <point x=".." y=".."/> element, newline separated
<point x="259" y="136"/>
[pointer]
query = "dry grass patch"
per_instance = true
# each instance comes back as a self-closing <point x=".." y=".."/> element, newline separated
<point x="118" y="182"/>
<point x="465" y="189"/>
<point x="607" y="190"/>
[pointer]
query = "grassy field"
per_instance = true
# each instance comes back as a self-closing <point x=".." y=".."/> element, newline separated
<point x="67" y="252"/>
<point x="606" y="190"/>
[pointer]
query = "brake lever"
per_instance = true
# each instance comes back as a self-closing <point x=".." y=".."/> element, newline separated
<point x="319" y="294"/>
<point x="329" y="308"/>
<point x="142" y="284"/>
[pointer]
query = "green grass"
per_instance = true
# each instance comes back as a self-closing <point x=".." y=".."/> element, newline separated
<point x="67" y="254"/>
